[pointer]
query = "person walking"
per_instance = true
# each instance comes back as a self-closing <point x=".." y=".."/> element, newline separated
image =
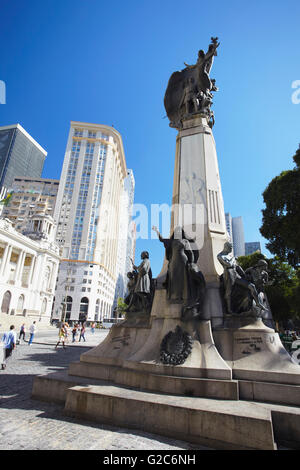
<point x="93" y="325"/>
<point x="82" y="333"/>
<point x="22" y="333"/>
<point x="32" y="331"/>
<point x="62" y="335"/>
<point x="74" y="332"/>
<point x="66" y="332"/>
<point x="9" y="340"/>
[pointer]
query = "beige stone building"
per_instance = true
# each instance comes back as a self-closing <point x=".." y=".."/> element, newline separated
<point x="30" y="197"/>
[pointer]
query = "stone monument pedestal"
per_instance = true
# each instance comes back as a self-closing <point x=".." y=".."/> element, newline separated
<point x="132" y="356"/>
<point x="255" y="352"/>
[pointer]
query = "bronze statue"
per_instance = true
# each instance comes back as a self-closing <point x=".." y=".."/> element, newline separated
<point x="238" y="290"/>
<point x="141" y="286"/>
<point x="179" y="254"/>
<point x="189" y="91"/>
<point x="185" y="282"/>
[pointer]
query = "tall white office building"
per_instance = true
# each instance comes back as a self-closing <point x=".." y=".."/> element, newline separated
<point x="126" y="240"/>
<point x="228" y="220"/>
<point x="238" y="236"/>
<point x="88" y="210"/>
<point x="235" y="230"/>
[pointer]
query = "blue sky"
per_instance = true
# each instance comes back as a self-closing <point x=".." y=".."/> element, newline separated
<point x="110" y="62"/>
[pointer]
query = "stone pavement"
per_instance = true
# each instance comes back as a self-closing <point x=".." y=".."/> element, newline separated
<point x="27" y="424"/>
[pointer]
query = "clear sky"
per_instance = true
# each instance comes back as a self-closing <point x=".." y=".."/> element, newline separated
<point x="110" y="62"/>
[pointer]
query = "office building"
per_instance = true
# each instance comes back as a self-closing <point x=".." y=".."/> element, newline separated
<point x="87" y="214"/>
<point x="30" y="197"/>
<point x="252" y="247"/>
<point x="20" y="155"/>
<point x="238" y="236"/>
<point x="127" y="236"/>
<point x="235" y="229"/>
<point x="228" y="220"/>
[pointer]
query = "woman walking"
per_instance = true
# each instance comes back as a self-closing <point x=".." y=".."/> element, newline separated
<point x="62" y="334"/>
<point x="82" y="333"/>
<point x="22" y="333"/>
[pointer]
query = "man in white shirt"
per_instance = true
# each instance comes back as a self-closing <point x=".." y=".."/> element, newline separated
<point x="32" y="331"/>
<point x="9" y="340"/>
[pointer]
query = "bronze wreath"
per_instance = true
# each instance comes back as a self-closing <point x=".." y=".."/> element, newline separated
<point x="176" y="347"/>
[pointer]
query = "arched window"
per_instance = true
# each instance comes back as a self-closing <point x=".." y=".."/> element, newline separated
<point x="69" y="301"/>
<point x="84" y="307"/>
<point x="6" y="302"/>
<point x="44" y="306"/>
<point x="20" y="304"/>
<point x="97" y="310"/>
<point x="46" y="280"/>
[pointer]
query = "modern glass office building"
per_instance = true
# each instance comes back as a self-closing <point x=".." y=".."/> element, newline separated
<point x="252" y="247"/>
<point x="20" y="155"/>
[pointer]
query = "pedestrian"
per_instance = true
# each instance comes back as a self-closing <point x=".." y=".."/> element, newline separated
<point x="74" y="332"/>
<point x="22" y="332"/>
<point x="66" y="332"/>
<point x="82" y="333"/>
<point x="32" y="331"/>
<point x="10" y="340"/>
<point x="93" y="327"/>
<point x="62" y="335"/>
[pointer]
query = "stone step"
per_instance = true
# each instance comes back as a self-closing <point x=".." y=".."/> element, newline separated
<point x="284" y="420"/>
<point x="270" y="392"/>
<point x="186" y="386"/>
<point x="218" y="424"/>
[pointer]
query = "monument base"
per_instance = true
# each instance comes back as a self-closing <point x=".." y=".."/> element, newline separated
<point x="255" y="352"/>
<point x="205" y="399"/>
<point x="219" y="424"/>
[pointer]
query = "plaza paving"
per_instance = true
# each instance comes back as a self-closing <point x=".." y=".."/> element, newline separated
<point x="27" y="424"/>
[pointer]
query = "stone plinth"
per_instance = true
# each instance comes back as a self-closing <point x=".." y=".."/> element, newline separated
<point x="139" y="348"/>
<point x="208" y="422"/>
<point x="255" y="352"/>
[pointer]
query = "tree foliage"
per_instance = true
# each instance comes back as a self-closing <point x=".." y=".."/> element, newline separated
<point x="121" y="307"/>
<point x="281" y="216"/>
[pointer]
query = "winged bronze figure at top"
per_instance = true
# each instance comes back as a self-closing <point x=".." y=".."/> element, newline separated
<point x="190" y="90"/>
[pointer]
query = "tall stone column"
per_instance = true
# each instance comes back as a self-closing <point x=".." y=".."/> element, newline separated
<point x="198" y="204"/>
<point x="20" y="266"/>
<point x="7" y="265"/>
<point x="37" y="271"/>
<point x="33" y="261"/>
<point x="7" y="250"/>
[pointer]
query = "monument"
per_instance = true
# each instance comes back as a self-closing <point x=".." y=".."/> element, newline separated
<point x="194" y="358"/>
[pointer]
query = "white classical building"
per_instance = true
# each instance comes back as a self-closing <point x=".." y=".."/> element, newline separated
<point x="88" y="214"/>
<point x="28" y="270"/>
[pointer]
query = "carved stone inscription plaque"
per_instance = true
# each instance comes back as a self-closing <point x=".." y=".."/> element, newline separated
<point x="121" y="341"/>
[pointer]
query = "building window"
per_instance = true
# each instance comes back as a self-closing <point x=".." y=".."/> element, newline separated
<point x="44" y="307"/>
<point x="20" y="305"/>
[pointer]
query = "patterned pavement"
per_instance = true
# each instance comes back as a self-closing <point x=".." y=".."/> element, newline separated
<point x="27" y="424"/>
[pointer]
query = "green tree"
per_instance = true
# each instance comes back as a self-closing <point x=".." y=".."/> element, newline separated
<point x="121" y="307"/>
<point x="281" y="217"/>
